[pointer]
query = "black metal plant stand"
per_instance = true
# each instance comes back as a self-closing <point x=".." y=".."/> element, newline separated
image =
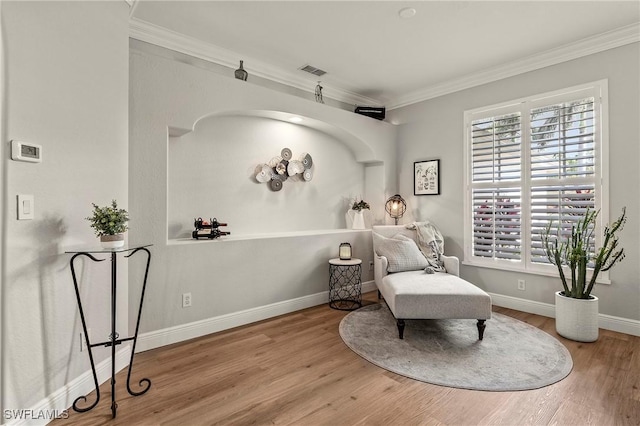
<point x="114" y="338"/>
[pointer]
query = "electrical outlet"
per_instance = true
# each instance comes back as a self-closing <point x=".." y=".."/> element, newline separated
<point x="186" y="300"/>
<point x="521" y="285"/>
<point x="370" y="265"/>
<point x="83" y="341"/>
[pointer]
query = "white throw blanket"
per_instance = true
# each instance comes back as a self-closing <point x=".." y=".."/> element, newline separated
<point x="431" y="244"/>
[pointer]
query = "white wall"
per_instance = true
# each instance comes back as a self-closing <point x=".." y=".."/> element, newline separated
<point x="212" y="174"/>
<point x="66" y="85"/>
<point x="434" y="129"/>
<point x="236" y="274"/>
<point x="212" y="67"/>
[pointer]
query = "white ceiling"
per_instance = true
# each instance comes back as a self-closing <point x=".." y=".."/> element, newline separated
<point x="371" y="54"/>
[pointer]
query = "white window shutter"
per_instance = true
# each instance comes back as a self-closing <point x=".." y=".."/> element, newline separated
<point x="530" y="163"/>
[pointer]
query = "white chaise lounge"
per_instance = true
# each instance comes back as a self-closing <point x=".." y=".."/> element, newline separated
<point x="411" y="293"/>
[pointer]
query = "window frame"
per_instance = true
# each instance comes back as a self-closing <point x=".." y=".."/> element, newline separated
<point x="599" y="91"/>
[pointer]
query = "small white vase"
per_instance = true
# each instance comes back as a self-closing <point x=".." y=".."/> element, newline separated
<point x="577" y="319"/>
<point x="112" y="241"/>
<point x="358" y="220"/>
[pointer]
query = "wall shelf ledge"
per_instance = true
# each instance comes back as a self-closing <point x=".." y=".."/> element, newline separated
<point x="291" y="234"/>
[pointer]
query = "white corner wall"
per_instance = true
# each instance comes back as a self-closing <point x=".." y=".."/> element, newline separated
<point x="243" y="273"/>
<point x="66" y="81"/>
<point x="434" y="129"/>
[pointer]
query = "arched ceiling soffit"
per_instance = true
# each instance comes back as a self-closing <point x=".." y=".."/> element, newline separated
<point x="362" y="152"/>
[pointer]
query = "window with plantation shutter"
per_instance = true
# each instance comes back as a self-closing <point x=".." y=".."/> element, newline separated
<point x="496" y="170"/>
<point x="562" y="153"/>
<point x="530" y="164"/>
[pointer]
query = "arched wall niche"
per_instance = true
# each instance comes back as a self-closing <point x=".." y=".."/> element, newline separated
<point x="346" y="166"/>
<point x="362" y="151"/>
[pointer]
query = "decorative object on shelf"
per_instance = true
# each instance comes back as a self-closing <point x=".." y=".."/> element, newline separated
<point x="360" y="205"/>
<point x="358" y="217"/>
<point x="319" y="97"/>
<point x="345" y="251"/>
<point x="576" y="307"/>
<point x="426" y="177"/>
<point x="358" y="220"/>
<point x="209" y="229"/>
<point x="110" y="224"/>
<point x="395" y="207"/>
<point x="241" y="73"/>
<point x="353" y="223"/>
<point x="282" y="167"/>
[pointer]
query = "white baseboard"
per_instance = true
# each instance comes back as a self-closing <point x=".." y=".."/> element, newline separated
<point x="607" y="322"/>
<point x="180" y="333"/>
<point x="369" y="286"/>
<point x="57" y="404"/>
<point x="524" y="305"/>
<point x="621" y="325"/>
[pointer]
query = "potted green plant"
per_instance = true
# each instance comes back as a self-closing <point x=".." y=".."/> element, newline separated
<point x="360" y="205"/>
<point x="576" y="307"/>
<point x="110" y="224"/>
<point x="358" y="218"/>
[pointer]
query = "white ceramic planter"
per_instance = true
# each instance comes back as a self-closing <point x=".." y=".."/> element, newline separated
<point x="112" y="241"/>
<point x="577" y="319"/>
<point x="358" y="220"/>
<point x="361" y="220"/>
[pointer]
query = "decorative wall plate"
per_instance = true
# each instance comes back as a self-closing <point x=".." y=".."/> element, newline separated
<point x="264" y="173"/>
<point x="308" y="175"/>
<point x="295" y="167"/>
<point x="306" y="160"/>
<point x="274" y="161"/>
<point x="276" y="184"/>
<point x="286" y="154"/>
<point x="280" y="168"/>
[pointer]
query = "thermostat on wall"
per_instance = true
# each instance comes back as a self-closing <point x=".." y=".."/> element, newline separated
<point x="22" y="151"/>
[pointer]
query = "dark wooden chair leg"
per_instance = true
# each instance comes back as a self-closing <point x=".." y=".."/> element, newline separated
<point x="481" y="327"/>
<point x="401" y="328"/>
<point x="379" y="295"/>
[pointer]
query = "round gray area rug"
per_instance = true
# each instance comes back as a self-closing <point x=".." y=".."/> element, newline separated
<point x="513" y="355"/>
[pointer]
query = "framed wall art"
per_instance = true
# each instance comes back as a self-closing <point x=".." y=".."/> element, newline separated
<point x="426" y="177"/>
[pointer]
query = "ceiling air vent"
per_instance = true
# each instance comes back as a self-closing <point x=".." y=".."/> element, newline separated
<point x="313" y="70"/>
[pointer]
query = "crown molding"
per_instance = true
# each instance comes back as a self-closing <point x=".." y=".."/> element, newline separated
<point x="163" y="37"/>
<point x="595" y="44"/>
<point x="132" y="7"/>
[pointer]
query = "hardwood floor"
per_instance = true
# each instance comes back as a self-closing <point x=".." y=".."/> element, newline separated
<point x="295" y="370"/>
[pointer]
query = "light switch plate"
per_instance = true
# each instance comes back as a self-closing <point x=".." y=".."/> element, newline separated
<point x="26" y="208"/>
